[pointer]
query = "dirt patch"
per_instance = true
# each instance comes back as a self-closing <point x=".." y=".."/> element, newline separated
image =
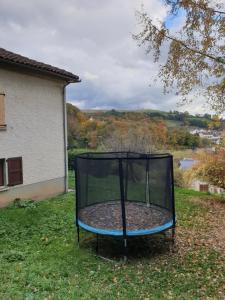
<point x="209" y="202"/>
<point x="206" y="230"/>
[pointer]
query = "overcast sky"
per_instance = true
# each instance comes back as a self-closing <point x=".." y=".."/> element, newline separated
<point x="93" y="39"/>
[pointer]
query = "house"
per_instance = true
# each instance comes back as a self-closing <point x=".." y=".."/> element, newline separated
<point x="196" y="184"/>
<point x="202" y="186"/>
<point x="212" y="135"/>
<point x="33" y="131"/>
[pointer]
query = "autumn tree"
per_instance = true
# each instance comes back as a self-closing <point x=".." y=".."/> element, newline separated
<point x="75" y="119"/>
<point x="142" y="136"/>
<point x="196" y="52"/>
<point x="215" y="123"/>
<point x="222" y="141"/>
<point x="209" y="167"/>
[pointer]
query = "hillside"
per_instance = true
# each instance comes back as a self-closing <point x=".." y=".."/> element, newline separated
<point x="171" y="118"/>
<point x="144" y="130"/>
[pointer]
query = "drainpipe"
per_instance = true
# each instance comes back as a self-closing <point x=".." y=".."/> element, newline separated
<point x="65" y="139"/>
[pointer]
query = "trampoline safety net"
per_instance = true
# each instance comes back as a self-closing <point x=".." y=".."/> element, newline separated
<point x="124" y="193"/>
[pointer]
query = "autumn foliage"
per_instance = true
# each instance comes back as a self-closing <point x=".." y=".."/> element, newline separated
<point x="210" y="168"/>
<point x="123" y="131"/>
<point x="195" y="53"/>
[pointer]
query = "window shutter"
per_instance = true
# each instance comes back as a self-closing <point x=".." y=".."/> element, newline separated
<point x="2" y="109"/>
<point x="1" y="172"/>
<point x="15" y="171"/>
<point x="204" y="188"/>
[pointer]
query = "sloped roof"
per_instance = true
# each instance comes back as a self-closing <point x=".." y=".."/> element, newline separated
<point x="9" y="57"/>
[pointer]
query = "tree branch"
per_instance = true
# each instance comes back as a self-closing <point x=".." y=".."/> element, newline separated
<point x="218" y="12"/>
<point x="180" y="3"/>
<point x="208" y="8"/>
<point x="217" y="59"/>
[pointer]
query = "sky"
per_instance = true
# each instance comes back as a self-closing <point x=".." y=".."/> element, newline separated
<point x="93" y="39"/>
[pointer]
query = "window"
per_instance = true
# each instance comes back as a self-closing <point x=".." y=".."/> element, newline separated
<point x="15" y="171"/>
<point x="2" y="173"/>
<point x="2" y="111"/>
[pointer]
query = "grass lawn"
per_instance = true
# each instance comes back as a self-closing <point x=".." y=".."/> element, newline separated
<point x="40" y="259"/>
<point x="71" y="180"/>
<point x="173" y="124"/>
<point x="180" y="154"/>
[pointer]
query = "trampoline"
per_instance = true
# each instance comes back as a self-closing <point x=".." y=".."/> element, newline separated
<point x="124" y="193"/>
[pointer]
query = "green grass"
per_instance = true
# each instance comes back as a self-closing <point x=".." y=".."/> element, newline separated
<point x="71" y="180"/>
<point x="180" y="154"/>
<point x="173" y="124"/>
<point x="40" y="259"/>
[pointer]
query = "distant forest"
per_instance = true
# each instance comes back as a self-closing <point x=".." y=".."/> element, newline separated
<point x="205" y="121"/>
<point x="162" y="130"/>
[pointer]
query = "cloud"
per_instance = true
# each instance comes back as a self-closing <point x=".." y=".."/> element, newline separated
<point x="94" y="40"/>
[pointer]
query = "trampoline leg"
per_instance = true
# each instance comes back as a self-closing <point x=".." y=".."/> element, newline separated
<point x="78" y="235"/>
<point x="96" y="244"/>
<point x="173" y="234"/>
<point x="125" y="249"/>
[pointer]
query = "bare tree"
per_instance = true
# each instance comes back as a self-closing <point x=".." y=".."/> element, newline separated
<point x="133" y="140"/>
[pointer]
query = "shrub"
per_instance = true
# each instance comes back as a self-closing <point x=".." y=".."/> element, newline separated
<point x="20" y="203"/>
<point x="179" y="180"/>
<point x="71" y="156"/>
<point x="210" y="168"/>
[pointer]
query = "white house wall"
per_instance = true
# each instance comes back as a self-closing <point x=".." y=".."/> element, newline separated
<point x="34" y="118"/>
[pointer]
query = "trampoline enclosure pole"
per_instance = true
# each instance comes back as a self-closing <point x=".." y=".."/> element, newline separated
<point x="172" y="195"/>
<point x="147" y="187"/>
<point x="126" y="179"/>
<point x="78" y="235"/>
<point x="87" y="180"/>
<point x="122" y="199"/>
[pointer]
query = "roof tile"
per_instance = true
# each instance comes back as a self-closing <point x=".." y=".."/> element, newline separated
<point x="13" y="58"/>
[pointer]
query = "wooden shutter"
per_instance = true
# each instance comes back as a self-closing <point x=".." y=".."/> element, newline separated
<point x="2" y="109"/>
<point x="204" y="188"/>
<point x="15" y="171"/>
<point x="2" y="172"/>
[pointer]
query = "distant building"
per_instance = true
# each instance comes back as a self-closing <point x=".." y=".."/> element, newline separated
<point x="199" y="185"/>
<point x="211" y="135"/>
<point x="203" y="186"/>
<point x="33" y="137"/>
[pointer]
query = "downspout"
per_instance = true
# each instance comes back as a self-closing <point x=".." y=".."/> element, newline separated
<point x="65" y="134"/>
<point x="65" y="139"/>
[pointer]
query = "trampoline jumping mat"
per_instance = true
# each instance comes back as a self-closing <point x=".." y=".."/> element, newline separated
<point x="139" y="216"/>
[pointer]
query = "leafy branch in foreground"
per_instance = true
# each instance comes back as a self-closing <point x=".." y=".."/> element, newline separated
<point x="195" y="61"/>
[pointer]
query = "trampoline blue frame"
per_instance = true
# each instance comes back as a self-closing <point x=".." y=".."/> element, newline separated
<point x="138" y="232"/>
